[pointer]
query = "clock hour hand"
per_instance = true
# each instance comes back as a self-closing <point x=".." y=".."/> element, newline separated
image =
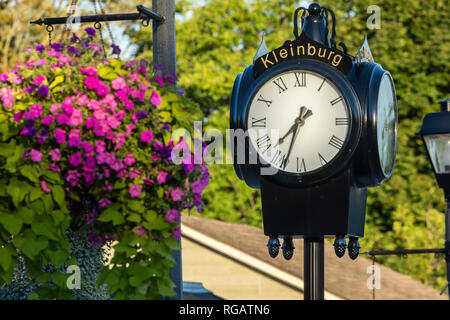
<point x="299" y="122"/>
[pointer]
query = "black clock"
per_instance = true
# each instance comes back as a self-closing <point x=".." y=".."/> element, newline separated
<point x="303" y="119"/>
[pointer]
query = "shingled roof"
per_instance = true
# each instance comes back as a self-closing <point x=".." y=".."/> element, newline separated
<point x="344" y="278"/>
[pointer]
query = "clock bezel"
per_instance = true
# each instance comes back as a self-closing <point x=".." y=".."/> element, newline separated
<point x="374" y="89"/>
<point x="344" y="156"/>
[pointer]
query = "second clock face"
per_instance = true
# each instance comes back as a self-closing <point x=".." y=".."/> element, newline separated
<point x="298" y="121"/>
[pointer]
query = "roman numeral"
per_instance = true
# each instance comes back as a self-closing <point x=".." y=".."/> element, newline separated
<point x="263" y="143"/>
<point x="301" y="166"/>
<point x="321" y="84"/>
<point x="279" y="159"/>
<point x="342" y="121"/>
<point x="268" y="102"/>
<point x="300" y="78"/>
<point x="338" y="99"/>
<point x="280" y="84"/>
<point x="322" y="160"/>
<point x="261" y="123"/>
<point x="336" y="142"/>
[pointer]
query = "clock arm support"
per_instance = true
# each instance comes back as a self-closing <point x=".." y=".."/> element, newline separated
<point x="336" y="207"/>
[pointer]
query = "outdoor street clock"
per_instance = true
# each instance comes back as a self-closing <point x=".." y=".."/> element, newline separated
<point x="321" y="127"/>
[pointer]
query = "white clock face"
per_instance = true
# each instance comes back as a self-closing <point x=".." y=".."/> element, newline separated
<point x="386" y="124"/>
<point x="298" y="121"/>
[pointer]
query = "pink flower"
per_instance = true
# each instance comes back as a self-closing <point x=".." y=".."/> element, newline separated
<point x="172" y="215"/>
<point x="48" y="120"/>
<point x="55" y="154"/>
<point x="75" y="159"/>
<point x="148" y="182"/>
<point x="7" y="98"/>
<point x="76" y="119"/>
<point x="89" y="72"/>
<point x="63" y="119"/>
<point x="100" y="146"/>
<point x="104" y="202"/>
<point x="54" y="167"/>
<point x="36" y="156"/>
<point x="74" y="141"/>
<point x="65" y="59"/>
<point x="83" y="100"/>
<point x="147" y="136"/>
<point x="162" y="177"/>
<point x="129" y="159"/>
<point x="118" y="83"/>
<point x="135" y="191"/>
<point x="91" y="83"/>
<point x="134" y="173"/>
<point x="160" y="80"/>
<point x="72" y="177"/>
<point x="102" y="90"/>
<point x="129" y="105"/>
<point x="129" y="130"/>
<point x="113" y="122"/>
<point x="119" y="140"/>
<point x="44" y="186"/>
<point x="54" y="109"/>
<point x="140" y="231"/>
<point x="177" y="194"/>
<point x="38" y="80"/>
<point x="155" y="99"/>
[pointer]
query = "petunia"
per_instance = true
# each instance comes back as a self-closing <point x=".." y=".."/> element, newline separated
<point x="129" y="159"/>
<point x="129" y="105"/>
<point x="177" y="194"/>
<point x="91" y="83"/>
<point x="74" y="141"/>
<point x="159" y="80"/>
<point x="40" y="48"/>
<point x="172" y="215"/>
<point x="147" y="136"/>
<point x="55" y="155"/>
<point x="72" y="177"/>
<point x="75" y="159"/>
<point x="162" y="177"/>
<point x="104" y="202"/>
<point x="63" y="119"/>
<point x="102" y="90"/>
<point x="43" y="90"/>
<point x="90" y="31"/>
<point x="60" y="136"/>
<point x="176" y="232"/>
<point x="36" y="155"/>
<point x="155" y="99"/>
<point x="118" y="83"/>
<point x="48" y="120"/>
<point x="140" y="231"/>
<point x="38" y="80"/>
<point x="135" y="191"/>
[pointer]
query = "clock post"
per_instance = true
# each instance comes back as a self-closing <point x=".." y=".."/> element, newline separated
<point x="322" y="126"/>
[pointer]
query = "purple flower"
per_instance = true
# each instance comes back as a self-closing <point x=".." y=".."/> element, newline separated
<point x="36" y="156"/>
<point x="180" y="91"/>
<point x="56" y="46"/>
<point x="60" y="136"/>
<point x="74" y="38"/>
<point x="72" y="177"/>
<point x="104" y="202"/>
<point x="162" y="177"/>
<point x="75" y="159"/>
<point x="90" y="31"/>
<point x="48" y="120"/>
<point x="172" y="215"/>
<point x="40" y="48"/>
<point x="116" y="49"/>
<point x="177" y="194"/>
<point x="43" y="90"/>
<point x="73" y="51"/>
<point x="141" y="231"/>
<point x="176" y="232"/>
<point x="74" y="141"/>
<point x="141" y="114"/>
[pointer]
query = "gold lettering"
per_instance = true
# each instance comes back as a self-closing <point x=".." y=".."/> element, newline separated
<point x="335" y="63"/>
<point x="298" y="50"/>
<point x="292" y="51"/>
<point x="275" y="56"/>
<point x="283" y="53"/>
<point x="309" y="50"/>
<point x="324" y="53"/>
<point x="266" y="61"/>
<point x="331" y="52"/>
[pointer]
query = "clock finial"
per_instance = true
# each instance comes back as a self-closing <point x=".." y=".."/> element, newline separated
<point x="364" y="54"/>
<point x="262" y="50"/>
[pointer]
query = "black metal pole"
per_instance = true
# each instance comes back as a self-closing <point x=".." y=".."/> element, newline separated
<point x="447" y="244"/>
<point x="314" y="268"/>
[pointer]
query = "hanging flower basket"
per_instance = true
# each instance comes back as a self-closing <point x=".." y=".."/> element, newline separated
<point x="85" y="148"/>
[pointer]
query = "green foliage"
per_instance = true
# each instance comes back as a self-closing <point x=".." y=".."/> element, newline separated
<point x="219" y="38"/>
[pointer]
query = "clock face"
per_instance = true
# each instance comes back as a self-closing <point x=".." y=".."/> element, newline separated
<point x="298" y="121"/>
<point x="386" y="124"/>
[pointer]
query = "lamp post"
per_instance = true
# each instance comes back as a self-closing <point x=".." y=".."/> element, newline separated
<point x="435" y="133"/>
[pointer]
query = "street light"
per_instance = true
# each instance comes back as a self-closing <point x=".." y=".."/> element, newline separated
<point x="435" y="133"/>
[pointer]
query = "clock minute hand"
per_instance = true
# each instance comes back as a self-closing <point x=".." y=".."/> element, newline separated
<point x="299" y="122"/>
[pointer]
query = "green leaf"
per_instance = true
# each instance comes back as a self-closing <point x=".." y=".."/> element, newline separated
<point x="154" y="221"/>
<point x="135" y="205"/>
<point x="59" y="195"/>
<point x="134" y="217"/>
<point x="165" y="288"/>
<point x="107" y="73"/>
<point x="44" y="229"/>
<point x="113" y="214"/>
<point x="58" y="80"/>
<point x="29" y="244"/>
<point x="17" y="190"/>
<point x="11" y="222"/>
<point x="6" y="255"/>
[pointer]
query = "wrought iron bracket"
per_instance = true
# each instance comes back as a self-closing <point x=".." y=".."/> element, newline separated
<point x="144" y="14"/>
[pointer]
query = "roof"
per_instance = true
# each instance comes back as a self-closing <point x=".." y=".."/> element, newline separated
<point x="344" y="278"/>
